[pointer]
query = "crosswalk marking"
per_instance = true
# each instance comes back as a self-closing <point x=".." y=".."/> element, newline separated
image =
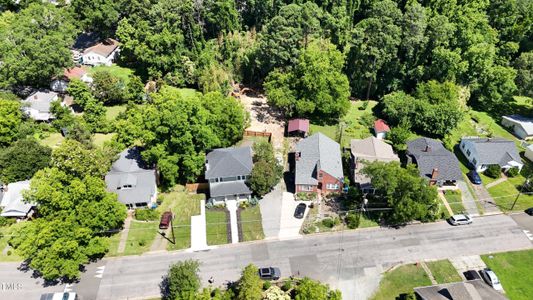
<point x="99" y="272"/>
<point x="68" y="288"/>
<point x="528" y="234"/>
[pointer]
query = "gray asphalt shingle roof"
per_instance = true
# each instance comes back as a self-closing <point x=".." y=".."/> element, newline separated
<point x="430" y="154"/>
<point x="469" y="290"/>
<point x="494" y="151"/>
<point x="318" y="152"/>
<point x="228" y="188"/>
<point x="41" y="101"/>
<point x="129" y="169"/>
<point x="228" y="162"/>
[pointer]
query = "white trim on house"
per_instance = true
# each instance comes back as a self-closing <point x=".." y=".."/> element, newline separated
<point x="469" y="150"/>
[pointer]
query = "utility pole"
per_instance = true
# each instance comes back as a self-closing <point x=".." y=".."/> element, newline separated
<point x="172" y="227"/>
<point x="520" y="193"/>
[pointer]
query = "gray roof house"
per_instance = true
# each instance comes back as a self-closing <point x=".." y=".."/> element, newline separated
<point x="521" y="126"/>
<point x="37" y="105"/>
<point x="226" y="170"/>
<point x="368" y="150"/>
<point x="132" y="180"/>
<point x="482" y="152"/>
<point x="12" y="202"/>
<point x="318" y="165"/>
<point x="468" y="290"/>
<point x="434" y="162"/>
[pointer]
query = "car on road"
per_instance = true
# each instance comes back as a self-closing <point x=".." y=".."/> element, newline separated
<point x="460" y="219"/>
<point x="474" y="177"/>
<point x="300" y="210"/>
<point x="491" y="279"/>
<point x="165" y="220"/>
<point x="471" y="275"/>
<point x="529" y="211"/>
<point x="269" y="273"/>
<point x="59" y="296"/>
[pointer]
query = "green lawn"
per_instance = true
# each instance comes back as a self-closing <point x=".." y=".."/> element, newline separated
<point x="514" y="271"/>
<point x="53" y="140"/>
<point x="140" y="236"/>
<point x="505" y="194"/>
<point x="455" y="201"/>
<point x="486" y="179"/>
<point x="114" y="240"/>
<point x="252" y="228"/>
<point x="99" y="139"/>
<point x="217" y="231"/>
<point x="368" y="220"/>
<point x="113" y="111"/>
<point x="183" y="205"/>
<point x="400" y="281"/>
<point x="5" y="235"/>
<point x="352" y="128"/>
<point x="115" y="70"/>
<point x="443" y="271"/>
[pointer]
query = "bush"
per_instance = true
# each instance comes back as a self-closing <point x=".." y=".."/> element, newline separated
<point x="353" y="219"/>
<point x="287" y="285"/>
<point x="364" y="106"/>
<point x="493" y="171"/>
<point x="243" y="205"/>
<point x="142" y="243"/>
<point x="6" y="221"/>
<point x="253" y="201"/>
<point x="146" y="214"/>
<point x="209" y="205"/>
<point x="330" y="222"/>
<point x="8" y="252"/>
<point x="266" y="285"/>
<point x="513" y="172"/>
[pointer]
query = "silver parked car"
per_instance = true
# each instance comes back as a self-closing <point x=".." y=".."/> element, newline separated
<point x="491" y="279"/>
<point x="460" y="219"/>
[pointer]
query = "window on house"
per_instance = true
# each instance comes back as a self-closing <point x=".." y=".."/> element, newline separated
<point x="331" y="186"/>
<point x="463" y="146"/>
<point x="306" y="188"/>
<point x="474" y="161"/>
<point x="468" y="152"/>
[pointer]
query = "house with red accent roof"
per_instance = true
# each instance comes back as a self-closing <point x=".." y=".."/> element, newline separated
<point x="298" y="127"/>
<point x="60" y="83"/>
<point x="381" y="128"/>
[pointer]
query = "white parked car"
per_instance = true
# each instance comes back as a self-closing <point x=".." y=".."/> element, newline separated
<point x="490" y="277"/>
<point x="460" y="220"/>
<point x="59" y="296"/>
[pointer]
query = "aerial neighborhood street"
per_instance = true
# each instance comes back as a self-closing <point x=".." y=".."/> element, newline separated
<point x="261" y="150"/>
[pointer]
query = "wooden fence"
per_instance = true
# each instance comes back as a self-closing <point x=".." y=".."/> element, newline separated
<point x="258" y="133"/>
<point x="197" y="187"/>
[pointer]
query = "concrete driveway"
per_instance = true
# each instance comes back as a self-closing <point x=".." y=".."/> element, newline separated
<point x="289" y="225"/>
<point x="270" y="207"/>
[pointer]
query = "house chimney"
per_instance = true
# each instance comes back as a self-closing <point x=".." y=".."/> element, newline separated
<point x="428" y="148"/>
<point x="35" y="96"/>
<point x="297" y="155"/>
<point x="434" y="175"/>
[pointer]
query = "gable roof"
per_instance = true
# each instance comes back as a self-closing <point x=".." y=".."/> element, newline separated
<point x="524" y="122"/>
<point x="76" y="72"/>
<point x="373" y="148"/>
<point x="13" y="203"/>
<point x="317" y="152"/>
<point x="41" y="100"/>
<point x="469" y="290"/>
<point x="104" y="48"/>
<point x="494" y="151"/>
<point x="381" y="126"/>
<point x="130" y="169"/>
<point x="430" y="154"/>
<point x="228" y="162"/>
<point x="298" y="125"/>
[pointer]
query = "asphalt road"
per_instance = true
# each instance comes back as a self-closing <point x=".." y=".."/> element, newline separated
<point x="344" y="260"/>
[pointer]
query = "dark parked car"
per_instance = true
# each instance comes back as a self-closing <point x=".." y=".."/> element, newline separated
<point x="471" y="275"/>
<point x="474" y="177"/>
<point x="300" y="211"/>
<point x="529" y="211"/>
<point x="270" y="273"/>
<point x="165" y="220"/>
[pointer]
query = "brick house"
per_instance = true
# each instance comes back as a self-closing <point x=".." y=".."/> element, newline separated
<point x="318" y="165"/>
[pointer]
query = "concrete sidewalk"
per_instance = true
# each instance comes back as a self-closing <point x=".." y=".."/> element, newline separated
<point x="198" y="230"/>
<point x="468" y="200"/>
<point x="124" y="233"/>
<point x="231" y="206"/>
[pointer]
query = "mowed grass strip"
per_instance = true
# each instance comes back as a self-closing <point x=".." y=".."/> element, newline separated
<point x="217" y="230"/>
<point x="443" y="271"/>
<point x="252" y="228"/>
<point x="140" y="236"/>
<point x="401" y="280"/>
<point x="514" y="271"/>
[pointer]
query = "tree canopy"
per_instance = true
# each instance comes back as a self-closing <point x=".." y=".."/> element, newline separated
<point x="23" y="159"/>
<point x="10" y="120"/>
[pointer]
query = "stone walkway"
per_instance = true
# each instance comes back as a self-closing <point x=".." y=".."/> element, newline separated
<point x="428" y="271"/>
<point x="465" y="263"/>
<point x="485" y="200"/>
<point x="497" y="181"/>
<point x="468" y="200"/>
<point x="124" y="233"/>
<point x="161" y="242"/>
<point x="446" y="204"/>
<point x="198" y="230"/>
<point x="231" y="206"/>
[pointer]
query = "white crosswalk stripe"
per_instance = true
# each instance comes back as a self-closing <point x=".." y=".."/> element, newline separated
<point x="99" y="272"/>
<point x="528" y="234"/>
<point x="68" y="288"/>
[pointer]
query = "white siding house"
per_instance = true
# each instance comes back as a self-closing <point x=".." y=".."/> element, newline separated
<point x="529" y="152"/>
<point x="483" y="152"/>
<point x="60" y="84"/>
<point x="103" y="53"/>
<point x="37" y="105"/>
<point x="521" y="126"/>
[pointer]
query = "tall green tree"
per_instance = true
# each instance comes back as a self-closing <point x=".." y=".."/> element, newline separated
<point x="250" y="285"/>
<point x="266" y="171"/>
<point x="100" y="16"/>
<point x="311" y="289"/>
<point x="409" y="196"/>
<point x="22" y="159"/>
<point x="77" y="160"/>
<point x="524" y="75"/>
<point x="315" y="87"/>
<point x="182" y="280"/>
<point x="10" y="120"/>
<point x="108" y="88"/>
<point x="35" y="45"/>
